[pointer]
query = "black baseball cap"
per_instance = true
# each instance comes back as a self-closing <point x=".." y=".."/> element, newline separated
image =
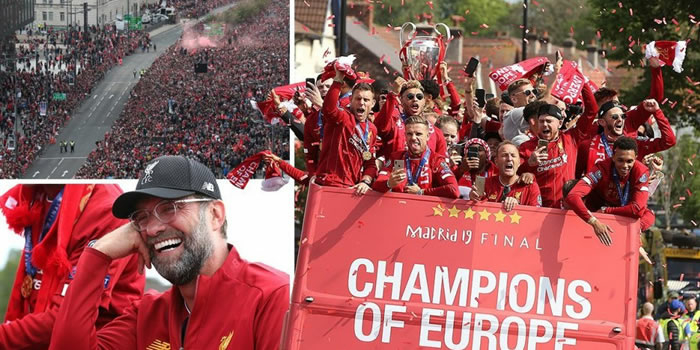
<point x="168" y="177"/>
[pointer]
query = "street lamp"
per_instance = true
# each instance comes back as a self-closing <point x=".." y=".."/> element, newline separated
<point x="524" y="41"/>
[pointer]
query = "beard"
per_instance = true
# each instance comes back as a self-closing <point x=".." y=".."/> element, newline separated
<point x="197" y="247"/>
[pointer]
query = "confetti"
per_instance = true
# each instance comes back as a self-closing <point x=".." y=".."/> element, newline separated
<point x="305" y="28"/>
<point x="598" y="34"/>
<point x="690" y="194"/>
<point x="694" y="224"/>
<point x="307" y="4"/>
<point x="658" y="21"/>
<point x="631" y="12"/>
<point x="613" y="11"/>
<point x="682" y="275"/>
<point x="484" y="25"/>
<point x="664" y="101"/>
<point x="619" y="4"/>
<point x="330" y="17"/>
<point x="430" y="4"/>
<point x="675" y="206"/>
<point x="621" y="29"/>
<point x="674" y="21"/>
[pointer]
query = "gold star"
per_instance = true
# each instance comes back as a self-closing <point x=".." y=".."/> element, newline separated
<point x="484" y="215"/>
<point x="499" y="216"/>
<point x="437" y="211"/>
<point x="454" y="212"/>
<point x="469" y="213"/>
<point x="514" y="218"/>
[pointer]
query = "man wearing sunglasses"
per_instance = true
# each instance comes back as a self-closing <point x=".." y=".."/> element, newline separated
<point x="612" y="120"/>
<point x="177" y="224"/>
<point x="406" y="101"/>
<point x="521" y="92"/>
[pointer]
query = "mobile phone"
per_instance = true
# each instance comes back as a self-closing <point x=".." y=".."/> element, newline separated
<point x="473" y="152"/>
<point x="480" y="97"/>
<point x="489" y="96"/>
<point x="542" y="143"/>
<point x="310" y="81"/>
<point x="558" y="56"/>
<point x="470" y="68"/>
<point x="399" y="164"/>
<point x="480" y="184"/>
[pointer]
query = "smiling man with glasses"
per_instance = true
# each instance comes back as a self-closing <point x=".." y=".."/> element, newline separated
<point x="177" y="224"/>
<point x="521" y="92"/>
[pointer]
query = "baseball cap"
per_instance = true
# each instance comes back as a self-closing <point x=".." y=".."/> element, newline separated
<point x="675" y="305"/>
<point x="168" y="177"/>
<point x="673" y="294"/>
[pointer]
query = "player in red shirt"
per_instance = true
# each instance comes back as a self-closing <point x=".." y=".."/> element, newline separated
<point x="422" y="172"/>
<point x="390" y="120"/>
<point x="507" y="186"/>
<point x="347" y="156"/>
<point x="476" y="162"/>
<point x="178" y="223"/>
<point x="612" y="120"/>
<point x="619" y="185"/>
<point x="552" y="155"/>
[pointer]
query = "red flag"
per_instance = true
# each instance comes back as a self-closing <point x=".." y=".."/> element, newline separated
<point x="508" y="74"/>
<point x="569" y="83"/>
<point x="286" y="92"/>
<point x="240" y="175"/>
<point x="670" y="53"/>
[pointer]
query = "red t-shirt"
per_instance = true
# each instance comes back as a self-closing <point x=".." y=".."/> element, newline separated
<point x="341" y="163"/>
<point x="435" y="178"/>
<point x="525" y="194"/>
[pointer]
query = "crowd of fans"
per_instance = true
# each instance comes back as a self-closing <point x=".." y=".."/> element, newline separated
<point x="525" y="147"/>
<point x="69" y="62"/>
<point x="208" y="116"/>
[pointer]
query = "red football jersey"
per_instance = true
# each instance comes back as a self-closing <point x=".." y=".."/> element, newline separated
<point x="341" y="163"/>
<point x="525" y="194"/>
<point x="391" y="130"/>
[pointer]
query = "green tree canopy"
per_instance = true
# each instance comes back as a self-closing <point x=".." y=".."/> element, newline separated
<point x="626" y="26"/>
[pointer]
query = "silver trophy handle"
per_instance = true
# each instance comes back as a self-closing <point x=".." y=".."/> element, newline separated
<point x="448" y="36"/>
<point x="410" y="33"/>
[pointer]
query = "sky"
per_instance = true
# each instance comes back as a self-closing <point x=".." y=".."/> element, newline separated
<point x="260" y="224"/>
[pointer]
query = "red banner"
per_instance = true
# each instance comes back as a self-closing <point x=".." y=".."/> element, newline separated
<point x="398" y="271"/>
<point x="569" y="83"/>
<point x="285" y="93"/>
<point x="508" y="74"/>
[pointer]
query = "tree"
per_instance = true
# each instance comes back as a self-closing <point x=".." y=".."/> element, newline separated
<point x="555" y="17"/>
<point x="625" y="27"/>
<point x="680" y="189"/>
<point x="7" y="279"/>
<point x="476" y="13"/>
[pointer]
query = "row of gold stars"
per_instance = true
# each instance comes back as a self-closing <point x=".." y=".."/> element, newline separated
<point x="484" y="215"/>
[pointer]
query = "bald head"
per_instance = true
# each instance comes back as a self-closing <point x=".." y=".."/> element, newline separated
<point x="647" y="309"/>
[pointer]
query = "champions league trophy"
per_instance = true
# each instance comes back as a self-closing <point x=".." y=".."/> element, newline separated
<point x="422" y="55"/>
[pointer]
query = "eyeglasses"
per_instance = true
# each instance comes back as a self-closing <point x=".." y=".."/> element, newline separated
<point x="527" y="92"/>
<point x="417" y="96"/>
<point x="618" y="116"/>
<point x="164" y="211"/>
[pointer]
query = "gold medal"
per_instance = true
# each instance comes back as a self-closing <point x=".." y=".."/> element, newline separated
<point x="27" y="286"/>
<point x="366" y="155"/>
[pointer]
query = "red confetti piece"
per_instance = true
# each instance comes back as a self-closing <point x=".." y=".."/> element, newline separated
<point x="475" y="33"/>
<point x="675" y="206"/>
<point x="597" y="34"/>
<point x="631" y="43"/>
<point x="330" y="17"/>
<point x="673" y="104"/>
<point x="613" y="47"/>
<point x="682" y="275"/>
<point x="430" y="4"/>
<point x="621" y="29"/>
<point x="331" y="25"/>
<point x="357" y="22"/>
<point x="674" y="21"/>
<point x="690" y="194"/>
<point x="664" y="101"/>
<point x="619" y="4"/>
<point x="571" y="29"/>
<point x="307" y="4"/>
<point x="484" y="25"/>
<point x="613" y="11"/>
<point x="658" y="21"/>
<point x="305" y="28"/>
<point x="631" y="12"/>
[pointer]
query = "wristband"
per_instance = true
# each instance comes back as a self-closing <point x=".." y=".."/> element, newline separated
<point x="367" y="182"/>
<point x="592" y="220"/>
<point x="420" y="192"/>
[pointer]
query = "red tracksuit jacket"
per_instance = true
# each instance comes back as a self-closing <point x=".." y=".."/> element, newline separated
<point x="436" y="178"/>
<point x="241" y="306"/>
<point x="596" y="149"/>
<point x="599" y="182"/>
<point x="341" y="163"/>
